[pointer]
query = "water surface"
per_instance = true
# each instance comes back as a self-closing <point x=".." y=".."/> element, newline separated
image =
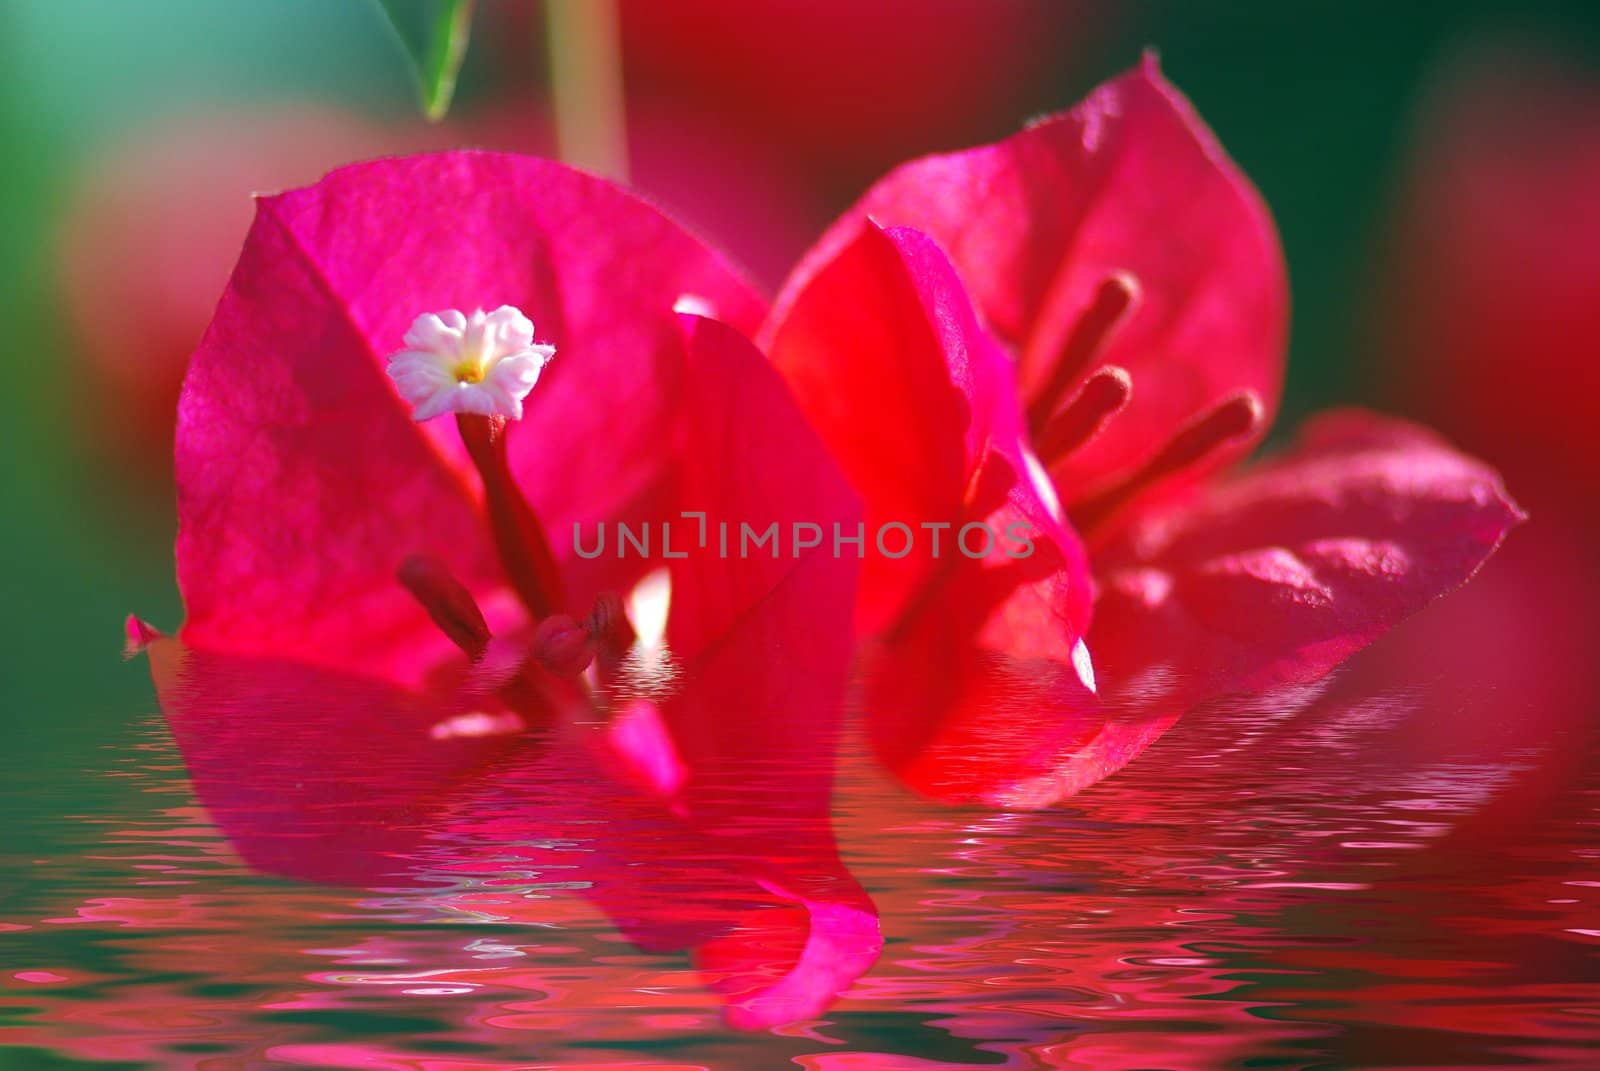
<point x="1257" y="891"/>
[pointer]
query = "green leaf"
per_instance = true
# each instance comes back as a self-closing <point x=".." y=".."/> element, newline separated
<point x="434" y="33"/>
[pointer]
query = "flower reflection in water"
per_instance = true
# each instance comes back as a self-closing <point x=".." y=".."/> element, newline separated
<point x="1266" y="884"/>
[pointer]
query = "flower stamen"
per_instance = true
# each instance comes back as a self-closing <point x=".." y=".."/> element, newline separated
<point x="1112" y="303"/>
<point x="1103" y="396"/>
<point x="1231" y="419"/>
<point x="448" y="603"/>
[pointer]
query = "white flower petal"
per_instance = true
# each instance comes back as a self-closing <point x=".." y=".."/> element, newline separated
<point x="509" y="330"/>
<point x="517" y="373"/>
<point x="437" y="332"/>
<point x="435" y="405"/>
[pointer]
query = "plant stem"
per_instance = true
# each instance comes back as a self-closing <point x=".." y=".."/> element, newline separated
<point x="586" y="85"/>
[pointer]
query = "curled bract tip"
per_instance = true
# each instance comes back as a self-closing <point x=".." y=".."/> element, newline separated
<point x="138" y="635"/>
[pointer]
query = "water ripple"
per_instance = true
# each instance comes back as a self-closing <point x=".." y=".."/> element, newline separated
<point x="1242" y="896"/>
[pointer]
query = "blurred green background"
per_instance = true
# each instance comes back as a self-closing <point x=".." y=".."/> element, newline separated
<point x="1316" y="100"/>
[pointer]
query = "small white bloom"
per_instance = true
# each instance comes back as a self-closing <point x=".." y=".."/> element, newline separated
<point x="485" y="363"/>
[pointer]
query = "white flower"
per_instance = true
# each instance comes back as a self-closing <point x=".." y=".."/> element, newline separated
<point x="485" y="363"/>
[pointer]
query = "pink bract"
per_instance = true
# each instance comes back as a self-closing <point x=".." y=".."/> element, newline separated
<point x="331" y="725"/>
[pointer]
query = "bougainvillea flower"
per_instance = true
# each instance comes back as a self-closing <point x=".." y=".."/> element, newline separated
<point x="387" y="618"/>
<point x="1082" y="327"/>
